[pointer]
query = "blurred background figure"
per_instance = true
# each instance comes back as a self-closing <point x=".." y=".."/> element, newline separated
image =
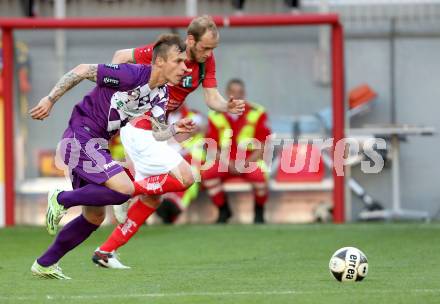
<point x="252" y="125"/>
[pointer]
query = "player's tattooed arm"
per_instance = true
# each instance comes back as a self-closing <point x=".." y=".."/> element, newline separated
<point x="72" y="78"/>
<point x="91" y="72"/>
<point x="67" y="82"/>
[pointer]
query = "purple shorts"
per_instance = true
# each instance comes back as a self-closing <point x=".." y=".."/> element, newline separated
<point x="87" y="157"/>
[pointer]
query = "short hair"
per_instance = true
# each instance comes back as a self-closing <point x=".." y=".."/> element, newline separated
<point x="198" y="27"/>
<point x="235" y="81"/>
<point x="164" y="43"/>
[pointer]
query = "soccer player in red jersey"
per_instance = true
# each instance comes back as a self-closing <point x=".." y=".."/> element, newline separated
<point x="202" y="38"/>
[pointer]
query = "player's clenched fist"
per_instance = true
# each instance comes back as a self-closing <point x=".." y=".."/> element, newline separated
<point x="42" y="110"/>
<point x="236" y="106"/>
<point x="185" y="125"/>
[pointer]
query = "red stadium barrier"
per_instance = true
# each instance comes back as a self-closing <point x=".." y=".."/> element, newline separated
<point x="8" y="25"/>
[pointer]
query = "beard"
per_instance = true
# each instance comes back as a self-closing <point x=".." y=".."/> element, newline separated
<point x="192" y="52"/>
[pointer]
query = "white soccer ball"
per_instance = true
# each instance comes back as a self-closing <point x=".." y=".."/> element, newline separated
<point x="349" y="264"/>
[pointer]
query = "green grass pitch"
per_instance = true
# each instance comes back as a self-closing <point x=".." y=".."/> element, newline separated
<point x="231" y="264"/>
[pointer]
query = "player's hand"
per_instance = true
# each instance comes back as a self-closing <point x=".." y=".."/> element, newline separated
<point x="236" y="106"/>
<point x="185" y="125"/>
<point x="42" y="109"/>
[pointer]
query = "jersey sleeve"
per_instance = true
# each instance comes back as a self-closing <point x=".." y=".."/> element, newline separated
<point x="143" y="54"/>
<point x="210" y="80"/>
<point x="121" y="76"/>
<point x="262" y="128"/>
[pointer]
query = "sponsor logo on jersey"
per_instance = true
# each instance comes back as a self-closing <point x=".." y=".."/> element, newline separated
<point x="109" y="165"/>
<point x="112" y="66"/>
<point x="111" y="81"/>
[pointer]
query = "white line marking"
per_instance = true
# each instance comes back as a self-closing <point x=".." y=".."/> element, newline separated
<point x="208" y="294"/>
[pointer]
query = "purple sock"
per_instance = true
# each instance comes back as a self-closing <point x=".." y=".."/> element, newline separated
<point x="73" y="234"/>
<point x="92" y="195"/>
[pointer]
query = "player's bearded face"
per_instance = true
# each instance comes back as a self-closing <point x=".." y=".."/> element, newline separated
<point x="174" y="67"/>
<point x="202" y="49"/>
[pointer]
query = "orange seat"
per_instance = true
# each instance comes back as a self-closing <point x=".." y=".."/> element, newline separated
<point x="361" y="95"/>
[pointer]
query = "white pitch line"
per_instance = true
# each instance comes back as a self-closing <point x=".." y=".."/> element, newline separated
<point x="205" y="294"/>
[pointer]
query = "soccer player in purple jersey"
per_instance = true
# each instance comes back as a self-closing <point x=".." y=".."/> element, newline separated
<point x="123" y="92"/>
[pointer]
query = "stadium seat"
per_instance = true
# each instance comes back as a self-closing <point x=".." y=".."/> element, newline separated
<point x="312" y="169"/>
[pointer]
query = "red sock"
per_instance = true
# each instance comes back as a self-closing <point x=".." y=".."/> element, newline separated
<point x="260" y="200"/>
<point x="158" y="184"/>
<point x="215" y="193"/>
<point x="136" y="216"/>
<point x="218" y="199"/>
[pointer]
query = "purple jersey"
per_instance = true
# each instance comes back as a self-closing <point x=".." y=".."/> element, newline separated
<point x="122" y="93"/>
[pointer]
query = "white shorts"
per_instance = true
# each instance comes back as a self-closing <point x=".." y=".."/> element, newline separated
<point x="149" y="156"/>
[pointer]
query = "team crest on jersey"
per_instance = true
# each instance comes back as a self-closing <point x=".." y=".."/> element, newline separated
<point x="187" y="81"/>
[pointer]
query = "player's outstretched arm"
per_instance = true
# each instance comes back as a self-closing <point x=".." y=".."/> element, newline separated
<point x="216" y="102"/>
<point x="68" y="81"/>
<point x="72" y="78"/>
<point x="123" y="56"/>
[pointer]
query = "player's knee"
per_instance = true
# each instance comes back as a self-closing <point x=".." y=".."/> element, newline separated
<point x="125" y="188"/>
<point x="185" y="174"/>
<point x="188" y="180"/>
<point x="94" y="215"/>
<point x="121" y="183"/>
<point x="97" y="219"/>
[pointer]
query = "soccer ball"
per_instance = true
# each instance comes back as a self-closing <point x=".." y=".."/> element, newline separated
<point x="349" y="264"/>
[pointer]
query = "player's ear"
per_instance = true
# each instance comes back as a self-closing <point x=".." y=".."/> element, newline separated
<point x="160" y="61"/>
<point x="190" y="41"/>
